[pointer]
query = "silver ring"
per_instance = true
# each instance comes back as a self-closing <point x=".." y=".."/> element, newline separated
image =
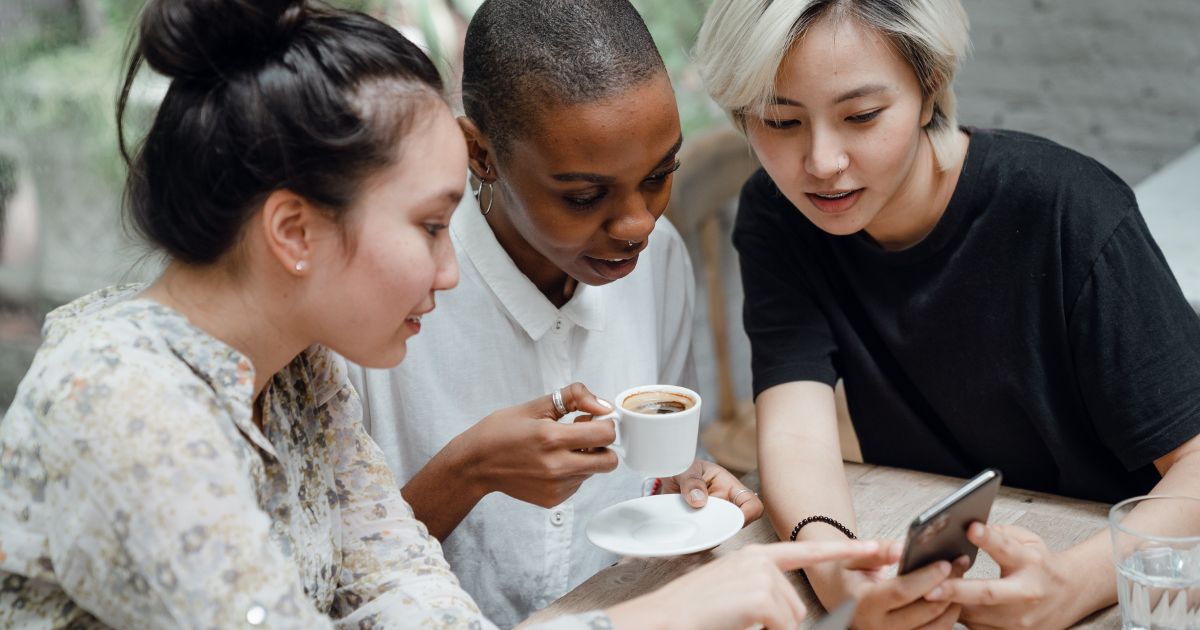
<point x="733" y="499"/>
<point x="556" y="398"/>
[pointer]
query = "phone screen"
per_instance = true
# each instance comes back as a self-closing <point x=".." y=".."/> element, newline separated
<point x="940" y="533"/>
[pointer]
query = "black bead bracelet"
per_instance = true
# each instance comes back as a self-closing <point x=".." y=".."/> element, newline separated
<point x="822" y="519"/>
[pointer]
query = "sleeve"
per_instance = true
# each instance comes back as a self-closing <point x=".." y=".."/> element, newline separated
<point x="157" y="522"/>
<point x="1136" y="346"/>
<point x="790" y="336"/>
<point x="393" y="573"/>
<point x="677" y="365"/>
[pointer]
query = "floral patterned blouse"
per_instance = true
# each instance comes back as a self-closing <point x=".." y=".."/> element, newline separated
<point x="136" y="490"/>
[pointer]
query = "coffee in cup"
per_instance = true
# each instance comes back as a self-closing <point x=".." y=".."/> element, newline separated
<point x="657" y="402"/>
<point x="657" y="427"/>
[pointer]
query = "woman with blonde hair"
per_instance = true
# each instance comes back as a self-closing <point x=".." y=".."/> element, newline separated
<point x="989" y="298"/>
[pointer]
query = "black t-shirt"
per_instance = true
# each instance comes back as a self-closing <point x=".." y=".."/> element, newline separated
<point x="1036" y="329"/>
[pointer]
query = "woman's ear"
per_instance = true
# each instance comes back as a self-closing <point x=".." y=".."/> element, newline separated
<point x="927" y="110"/>
<point x="930" y="102"/>
<point x="290" y="227"/>
<point x="479" y="150"/>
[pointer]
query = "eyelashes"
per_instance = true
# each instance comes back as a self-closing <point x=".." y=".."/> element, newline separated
<point x="586" y="201"/>
<point x="789" y="123"/>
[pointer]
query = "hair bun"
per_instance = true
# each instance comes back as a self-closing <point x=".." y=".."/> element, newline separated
<point x="200" y="39"/>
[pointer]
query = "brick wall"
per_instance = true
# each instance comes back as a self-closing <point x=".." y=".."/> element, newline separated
<point x="1116" y="79"/>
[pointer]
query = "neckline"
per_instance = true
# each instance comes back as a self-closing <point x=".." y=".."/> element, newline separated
<point x="517" y="294"/>
<point x="953" y="220"/>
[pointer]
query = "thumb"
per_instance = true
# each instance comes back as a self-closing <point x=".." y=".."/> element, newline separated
<point x="1007" y="550"/>
<point x="577" y="397"/>
<point x="692" y="485"/>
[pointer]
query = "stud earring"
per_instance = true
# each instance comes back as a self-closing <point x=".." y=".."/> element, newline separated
<point x="301" y="266"/>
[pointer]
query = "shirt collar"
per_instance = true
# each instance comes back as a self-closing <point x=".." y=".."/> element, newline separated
<point x="515" y="291"/>
<point x="228" y="372"/>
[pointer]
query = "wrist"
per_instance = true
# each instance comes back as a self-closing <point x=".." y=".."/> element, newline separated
<point x="1088" y="575"/>
<point x="831" y="581"/>
<point x="461" y="467"/>
<point x="641" y="613"/>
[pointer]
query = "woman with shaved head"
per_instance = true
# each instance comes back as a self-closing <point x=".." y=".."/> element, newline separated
<point x="568" y="275"/>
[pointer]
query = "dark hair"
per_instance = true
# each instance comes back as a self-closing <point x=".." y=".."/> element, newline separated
<point x="264" y="95"/>
<point x="524" y="55"/>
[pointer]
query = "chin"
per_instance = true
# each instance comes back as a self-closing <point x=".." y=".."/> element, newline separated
<point x="382" y="359"/>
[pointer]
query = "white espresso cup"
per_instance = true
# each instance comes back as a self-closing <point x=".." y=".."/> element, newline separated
<point x="657" y="436"/>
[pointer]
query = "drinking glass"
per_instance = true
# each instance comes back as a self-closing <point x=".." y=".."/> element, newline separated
<point x="1156" y="550"/>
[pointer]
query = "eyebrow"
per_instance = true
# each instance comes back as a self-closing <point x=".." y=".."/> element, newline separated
<point x="595" y="178"/>
<point x="452" y="197"/>
<point x="859" y="92"/>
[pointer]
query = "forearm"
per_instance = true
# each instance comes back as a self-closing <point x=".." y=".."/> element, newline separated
<point x="1090" y="563"/>
<point x="801" y="470"/>
<point x="445" y="490"/>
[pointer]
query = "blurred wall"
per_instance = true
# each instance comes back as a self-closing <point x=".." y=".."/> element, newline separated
<point x="1116" y="79"/>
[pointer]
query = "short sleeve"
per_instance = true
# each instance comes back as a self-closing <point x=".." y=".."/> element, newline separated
<point x="1136" y="347"/>
<point x="790" y="336"/>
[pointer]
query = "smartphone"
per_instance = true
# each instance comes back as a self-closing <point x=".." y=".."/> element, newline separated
<point x="940" y="533"/>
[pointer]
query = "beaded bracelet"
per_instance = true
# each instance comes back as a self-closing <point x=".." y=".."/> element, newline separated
<point x="822" y="519"/>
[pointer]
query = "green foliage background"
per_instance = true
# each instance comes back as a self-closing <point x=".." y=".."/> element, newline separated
<point x="59" y="74"/>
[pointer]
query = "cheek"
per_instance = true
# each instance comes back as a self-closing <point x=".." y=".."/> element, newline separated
<point x="888" y="154"/>
<point x="550" y="228"/>
<point x="390" y="273"/>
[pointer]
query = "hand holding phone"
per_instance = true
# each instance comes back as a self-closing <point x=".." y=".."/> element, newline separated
<point x="940" y="533"/>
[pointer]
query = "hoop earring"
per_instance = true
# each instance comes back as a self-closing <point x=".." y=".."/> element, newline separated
<point x="491" y="195"/>
<point x="478" y="192"/>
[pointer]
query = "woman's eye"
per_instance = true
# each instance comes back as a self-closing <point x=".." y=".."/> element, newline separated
<point x="584" y="201"/>
<point x="864" y="117"/>
<point x="661" y="177"/>
<point x="780" y="124"/>
<point x="434" y="228"/>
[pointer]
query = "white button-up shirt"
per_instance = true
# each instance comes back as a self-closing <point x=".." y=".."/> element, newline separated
<point x="496" y="341"/>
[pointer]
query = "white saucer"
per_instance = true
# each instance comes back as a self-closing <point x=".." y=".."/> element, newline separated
<point x="663" y="525"/>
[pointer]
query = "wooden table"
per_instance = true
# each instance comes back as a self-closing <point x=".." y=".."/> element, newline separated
<point x="885" y="500"/>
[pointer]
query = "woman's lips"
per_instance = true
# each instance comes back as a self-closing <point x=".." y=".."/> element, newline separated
<point x="834" y="205"/>
<point x="612" y="269"/>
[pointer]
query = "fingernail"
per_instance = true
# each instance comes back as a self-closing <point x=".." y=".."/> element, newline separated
<point x="935" y="594"/>
<point x="944" y="567"/>
<point x="696" y="495"/>
<point x="604" y="403"/>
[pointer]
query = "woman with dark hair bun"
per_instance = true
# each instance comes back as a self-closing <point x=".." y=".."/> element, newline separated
<point x="190" y="453"/>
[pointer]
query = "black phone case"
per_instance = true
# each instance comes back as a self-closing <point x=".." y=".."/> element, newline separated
<point x="940" y="533"/>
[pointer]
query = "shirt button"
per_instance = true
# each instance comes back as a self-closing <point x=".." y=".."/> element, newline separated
<point x="558" y="324"/>
<point x="256" y="615"/>
<point x="558" y="518"/>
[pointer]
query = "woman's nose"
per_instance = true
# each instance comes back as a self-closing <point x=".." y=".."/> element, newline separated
<point x="446" y="277"/>
<point x="637" y="219"/>
<point x="826" y="157"/>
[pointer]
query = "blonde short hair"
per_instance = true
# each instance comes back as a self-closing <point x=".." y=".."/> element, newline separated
<point x="743" y="43"/>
